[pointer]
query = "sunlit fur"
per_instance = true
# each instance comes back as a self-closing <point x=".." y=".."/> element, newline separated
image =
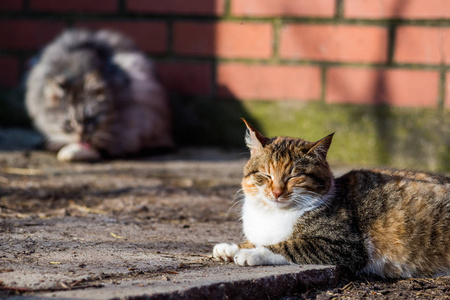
<point x="303" y="178"/>
<point x="282" y="166"/>
<point x="97" y="88"/>
<point x="386" y="222"/>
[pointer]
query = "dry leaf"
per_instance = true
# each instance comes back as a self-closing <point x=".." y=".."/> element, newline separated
<point x="87" y="209"/>
<point x="117" y="236"/>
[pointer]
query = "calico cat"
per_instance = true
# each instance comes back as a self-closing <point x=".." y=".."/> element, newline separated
<point x="386" y="222"/>
<point x="94" y="92"/>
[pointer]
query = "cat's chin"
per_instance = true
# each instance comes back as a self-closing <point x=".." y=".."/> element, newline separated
<point x="268" y="203"/>
<point x="280" y="204"/>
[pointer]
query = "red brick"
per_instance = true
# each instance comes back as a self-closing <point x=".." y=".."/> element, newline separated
<point x="426" y="45"/>
<point x="191" y="7"/>
<point x="186" y="78"/>
<point x="334" y="43"/>
<point x="149" y="36"/>
<point x="271" y="8"/>
<point x="103" y="6"/>
<point x="11" y="5"/>
<point x="27" y="34"/>
<point x="9" y="71"/>
<point x="226" y="39"/>
<point x="268" y="82"/>
<point x="382" y="86"/>
<point x="407" y="9"/>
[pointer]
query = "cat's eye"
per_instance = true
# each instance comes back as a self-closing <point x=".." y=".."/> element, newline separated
<point x="261" y="178"/>
<point x="298" y="177"/>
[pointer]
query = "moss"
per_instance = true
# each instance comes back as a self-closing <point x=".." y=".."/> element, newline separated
<point x="365" y="135"/>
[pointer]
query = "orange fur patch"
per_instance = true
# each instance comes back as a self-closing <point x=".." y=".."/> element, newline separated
<point x="249" y="188"/>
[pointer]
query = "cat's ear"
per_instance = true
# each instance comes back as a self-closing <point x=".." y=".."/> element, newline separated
<point x="321" y="147"/>
<point x="254" y="139"/>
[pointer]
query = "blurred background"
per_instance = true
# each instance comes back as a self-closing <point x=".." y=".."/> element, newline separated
<point x="376" y="72"/>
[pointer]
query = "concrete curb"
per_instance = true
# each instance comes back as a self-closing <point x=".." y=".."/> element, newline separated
<point x="216" y="282"/>
<point x="267" y="287"/>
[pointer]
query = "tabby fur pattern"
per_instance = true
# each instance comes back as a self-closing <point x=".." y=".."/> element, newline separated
<point x="386" y="222"/>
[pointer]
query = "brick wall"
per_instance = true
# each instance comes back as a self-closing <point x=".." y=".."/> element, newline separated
<point x="395" y="52"/>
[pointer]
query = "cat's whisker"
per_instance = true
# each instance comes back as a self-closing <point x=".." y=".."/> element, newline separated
<point x="235" y="203"/>
<point x="306" y="200"/>
<point x="238" y="199"/>
<point x="239" y="192"/>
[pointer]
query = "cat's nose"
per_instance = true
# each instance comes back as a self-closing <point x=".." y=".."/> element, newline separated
<point x="277" y="192"/>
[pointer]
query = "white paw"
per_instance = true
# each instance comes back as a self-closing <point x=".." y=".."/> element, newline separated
<point x="77" y="152"/>
<point x="225" y="251"/>
<point x="258" y="256"/>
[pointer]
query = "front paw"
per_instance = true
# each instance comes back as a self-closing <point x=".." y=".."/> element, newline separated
<point x="225" y="251"/>
<point x="78" y="152"/>
<point x="258" y="256"/>
<point x="249" y="257"/>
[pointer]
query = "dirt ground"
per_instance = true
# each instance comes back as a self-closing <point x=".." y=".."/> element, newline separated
<point x="77" y="226"/>
<point x="115" y="219"/>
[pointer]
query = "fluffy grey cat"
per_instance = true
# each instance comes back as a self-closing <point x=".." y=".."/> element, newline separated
<point x="93" y="93"/>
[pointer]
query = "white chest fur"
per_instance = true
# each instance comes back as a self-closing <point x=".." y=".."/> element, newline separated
<point x="265" y="226"/>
